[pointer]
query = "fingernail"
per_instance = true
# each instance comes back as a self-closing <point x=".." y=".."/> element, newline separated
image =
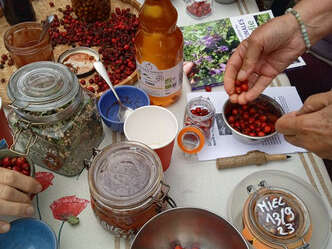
<point x="241" y="75"/>
<point x="39" y="188"/>
<point x="29" y="211"/>
<point x="5" y="228"/>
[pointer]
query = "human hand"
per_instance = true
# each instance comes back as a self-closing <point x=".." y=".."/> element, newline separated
<point x="14" y="195"/>
<point x="311" y="126"/>
<point x="260" y="58"/>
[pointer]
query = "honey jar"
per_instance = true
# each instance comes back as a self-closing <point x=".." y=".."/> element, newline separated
<point x="198" y="122"/>
<point x="275" y="218"/>
<point x="126" y="187"/>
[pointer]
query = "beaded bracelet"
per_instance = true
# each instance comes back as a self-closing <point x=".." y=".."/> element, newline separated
<point x="302" y="27"/>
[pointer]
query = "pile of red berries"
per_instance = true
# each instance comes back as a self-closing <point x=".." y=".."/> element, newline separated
<point x="180" y="247"/>
<point x="254" y="119"/>
<point x="18" y="164"/>
<point x="241" y="86"/>
<point x="199" y="111"/>
<point x="199" y="9"/>
<point x="114" y="37"/>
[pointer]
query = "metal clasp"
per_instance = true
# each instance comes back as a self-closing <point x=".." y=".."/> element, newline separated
<point x="87" y="162"/>
<point x="164" y="197"/>
<point x="32" y="140"/>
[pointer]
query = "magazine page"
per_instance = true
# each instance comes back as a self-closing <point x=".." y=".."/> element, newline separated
<point x="223" y="144"/>
<point x="209" y="45"/>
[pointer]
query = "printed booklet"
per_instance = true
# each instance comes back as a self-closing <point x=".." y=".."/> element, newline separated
<point x="209" y="45"/>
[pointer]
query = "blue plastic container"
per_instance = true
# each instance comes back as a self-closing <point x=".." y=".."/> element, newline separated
<point x="108" y="106"/>
<point x="28" y="233"/>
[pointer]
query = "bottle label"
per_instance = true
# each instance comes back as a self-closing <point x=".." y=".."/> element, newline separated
<point x="159" y="83"/>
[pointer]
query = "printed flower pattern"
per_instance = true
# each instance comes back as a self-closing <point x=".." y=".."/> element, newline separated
<point x="45" y="179"/>
<point x="68" y="208"/>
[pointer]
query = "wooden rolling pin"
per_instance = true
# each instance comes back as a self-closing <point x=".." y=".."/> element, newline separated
<point x="254" y="157"/>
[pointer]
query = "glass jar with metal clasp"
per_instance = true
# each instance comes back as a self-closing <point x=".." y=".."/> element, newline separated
<point x="127" y="187"/>
<point x="275" y="218"/>
<point x="53" y="119"/>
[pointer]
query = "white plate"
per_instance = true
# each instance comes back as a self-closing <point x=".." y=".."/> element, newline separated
<point x="316" y="207"/>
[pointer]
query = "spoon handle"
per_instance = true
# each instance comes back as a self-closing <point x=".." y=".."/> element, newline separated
<point x="103" y="73"/>
<point x="46" y="26"/>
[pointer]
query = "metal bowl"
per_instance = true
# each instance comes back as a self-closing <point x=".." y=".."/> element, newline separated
<point x="190" y="228"/>
<point x="250" y="139"/>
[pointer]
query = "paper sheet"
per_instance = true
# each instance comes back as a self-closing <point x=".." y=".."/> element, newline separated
<point x="223" y="144"/>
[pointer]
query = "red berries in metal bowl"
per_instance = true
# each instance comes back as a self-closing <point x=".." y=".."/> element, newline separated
<point x="254" y="121"/>
<point x="13" y="161"/>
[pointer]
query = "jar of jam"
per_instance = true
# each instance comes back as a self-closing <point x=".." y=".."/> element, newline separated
<point x="22" y="42"/>
<point x="126" y="187"/>
<point x="53" y="119"/>
<point x="275" y="218"/>
<point x="198" y="122"/>
<point x="92" y="10"/>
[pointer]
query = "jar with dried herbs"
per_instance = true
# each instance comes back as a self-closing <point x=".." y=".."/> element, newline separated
<point x="54" y="120"/>
<point x="92" y="10"/>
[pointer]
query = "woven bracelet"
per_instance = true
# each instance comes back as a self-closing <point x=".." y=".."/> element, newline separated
<point x="302" y="27"/>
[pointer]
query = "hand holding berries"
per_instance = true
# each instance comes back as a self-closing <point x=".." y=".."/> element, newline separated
<point x="15" y="189"/>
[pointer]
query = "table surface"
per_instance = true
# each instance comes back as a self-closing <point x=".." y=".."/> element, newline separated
<point x="193" y="183"/>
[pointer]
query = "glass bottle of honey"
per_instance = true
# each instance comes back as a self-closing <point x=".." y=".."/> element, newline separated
<point x="159" y="52"/>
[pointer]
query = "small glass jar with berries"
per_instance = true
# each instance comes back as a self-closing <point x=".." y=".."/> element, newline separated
<point x="199" y="9"/>
<point x="198" y="123"/>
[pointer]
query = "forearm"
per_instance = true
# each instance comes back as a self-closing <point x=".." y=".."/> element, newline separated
<point x="317" y="16"/>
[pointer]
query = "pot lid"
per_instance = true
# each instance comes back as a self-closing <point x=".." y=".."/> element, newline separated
<point x="42" y="86"/>
<point x="125" y="174"/>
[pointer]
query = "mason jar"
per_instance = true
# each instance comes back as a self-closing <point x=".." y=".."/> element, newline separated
<point x="127" y="187"/>
<point x="198" y="123"/>
<point x="275" y="218"/>
<point x="53" y="119"/>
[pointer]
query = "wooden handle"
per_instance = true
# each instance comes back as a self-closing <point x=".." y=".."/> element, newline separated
<point x="252" y="157"/>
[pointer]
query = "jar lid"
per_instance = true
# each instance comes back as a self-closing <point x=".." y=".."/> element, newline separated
<point x="125" y="174"/>
<point x="42" y="86"/>
<point x="277" y="215"/>
<point x="191" y="139"/>
<point x="79" y="60"/>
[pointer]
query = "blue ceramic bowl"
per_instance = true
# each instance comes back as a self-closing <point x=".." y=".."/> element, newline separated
<point x="28" y="233"/>
<point x="108" y="106"/>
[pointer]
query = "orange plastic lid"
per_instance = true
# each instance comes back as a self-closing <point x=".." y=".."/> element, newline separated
<point x="191" y="139"/>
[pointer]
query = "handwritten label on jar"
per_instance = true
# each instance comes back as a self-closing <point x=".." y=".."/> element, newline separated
<point x="275" y="214"/>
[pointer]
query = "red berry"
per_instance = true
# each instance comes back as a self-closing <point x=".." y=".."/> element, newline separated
<point x="238" y="90"/>
<point x="231" y="119"/>
<point x="5" y="161"/>
<point x="261" y="134"/>
<point x="235" y="112"/>
<point x="267" y="129"/>
<point x="262" y="118"/>
<point x="208" y="88"/>
<point x="244" y="87"/>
